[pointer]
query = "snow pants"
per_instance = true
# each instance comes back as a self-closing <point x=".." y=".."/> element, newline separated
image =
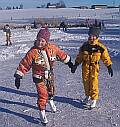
<point x="8" y="36"/>
<point x="44" y="93"/>
<point x="90" y="80"/>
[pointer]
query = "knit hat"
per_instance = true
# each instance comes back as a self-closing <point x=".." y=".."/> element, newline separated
<point x="44" y="33"/>
<point x="94" y="31"/>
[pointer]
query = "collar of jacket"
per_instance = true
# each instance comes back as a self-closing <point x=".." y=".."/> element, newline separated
<point x="94" y="42"/>
<point x="44" y="48"/>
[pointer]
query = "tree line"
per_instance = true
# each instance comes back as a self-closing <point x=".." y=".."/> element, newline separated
<point x="14" y="7"/>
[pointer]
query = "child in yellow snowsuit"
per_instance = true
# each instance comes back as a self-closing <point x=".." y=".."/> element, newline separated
<point x="89" y="56"/>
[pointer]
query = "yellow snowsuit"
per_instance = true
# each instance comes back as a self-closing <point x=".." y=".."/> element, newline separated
<point x="89" y="56"/>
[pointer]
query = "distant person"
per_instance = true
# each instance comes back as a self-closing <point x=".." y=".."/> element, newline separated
<point x="103" y="24"/>
<point x="87" y="22"/>
<point x="63" y="26"/>
<point x="89" y="56"/>
<point x="35" y="24"/>
<point x="7" y="32"/>
<point x="100" y="25"/>
<point x="41" y="58"/>
<point x="96" y="23"/>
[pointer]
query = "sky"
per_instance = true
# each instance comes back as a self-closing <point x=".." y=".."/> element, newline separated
<point x="68" y="3"/>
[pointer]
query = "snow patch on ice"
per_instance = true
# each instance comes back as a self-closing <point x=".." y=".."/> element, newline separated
<point x="10" y="52"/>
<point x="114" y="52"/>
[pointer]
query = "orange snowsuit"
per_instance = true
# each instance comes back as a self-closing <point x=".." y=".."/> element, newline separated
<point x="35" y="60"/>
<point x="89" y="56"/>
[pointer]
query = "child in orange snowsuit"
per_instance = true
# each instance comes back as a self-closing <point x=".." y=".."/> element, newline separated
<point x="41" y="58"/>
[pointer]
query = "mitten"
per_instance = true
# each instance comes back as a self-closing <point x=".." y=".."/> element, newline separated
<point x="17" y="80"/>
<point x="110" y="71"/>
<point x="73" y="69"/>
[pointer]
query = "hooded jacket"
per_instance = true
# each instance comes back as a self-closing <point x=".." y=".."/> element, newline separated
<point x="89" y="54"/>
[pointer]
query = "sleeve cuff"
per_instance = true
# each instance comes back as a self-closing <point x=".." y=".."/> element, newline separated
<point x="19" y="73"/>
<point x="67" y="59"/>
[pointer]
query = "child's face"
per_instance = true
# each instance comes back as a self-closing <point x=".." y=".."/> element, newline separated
<point x="92" y="38"/>
<point x="41" y="43"/>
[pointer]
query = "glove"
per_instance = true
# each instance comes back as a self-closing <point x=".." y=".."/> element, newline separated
<point x="17" y="80"/>
<point x="70" y="64"/>
<point x="73" y="69"/>
<point x="110" y="71"/>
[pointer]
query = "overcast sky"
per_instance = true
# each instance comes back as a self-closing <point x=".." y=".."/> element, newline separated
<point x="68" y="3"/>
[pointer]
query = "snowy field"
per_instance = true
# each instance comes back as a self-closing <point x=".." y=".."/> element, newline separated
<point x="24" y="15"/>
<point x="18" y="108"/>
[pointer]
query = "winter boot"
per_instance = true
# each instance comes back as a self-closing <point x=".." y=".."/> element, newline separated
<point x="93" y="104"/>
<point x="6" y="44"/>
<point x="10" y="43"/>
<point x="43" y="117"/>
<point x="52" y="105"/>
<point x="86" y="100"/>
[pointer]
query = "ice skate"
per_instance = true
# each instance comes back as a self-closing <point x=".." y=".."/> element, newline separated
<point x="86" y="100"/>
<point x="52" y="105"/>
<point x="43" y="117"/>
<point x="6" y="44"/>
<point x="10" y="44"/>
<point x="93" y="104"/>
